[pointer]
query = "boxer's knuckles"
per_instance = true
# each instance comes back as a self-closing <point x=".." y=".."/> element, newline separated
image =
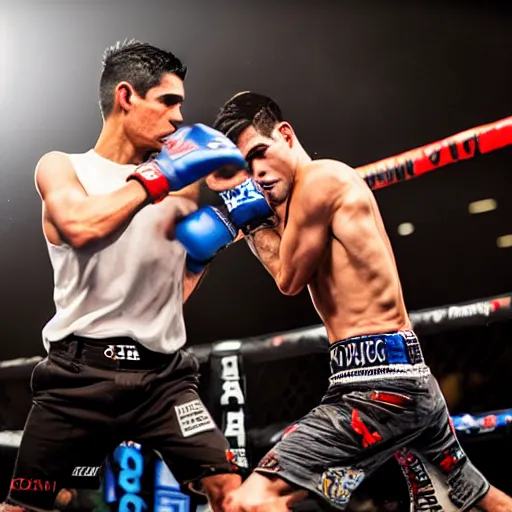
<point x="175" y="209"/>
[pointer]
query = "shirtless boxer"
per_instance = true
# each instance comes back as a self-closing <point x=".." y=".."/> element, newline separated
<point x="116" y="369"/>
<point x="326" y="233"/>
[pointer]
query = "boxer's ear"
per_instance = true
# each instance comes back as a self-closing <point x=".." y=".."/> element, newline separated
<point x="222" y="180"/>
<point x="125" y="95"/>
<point x="286" y="132"/>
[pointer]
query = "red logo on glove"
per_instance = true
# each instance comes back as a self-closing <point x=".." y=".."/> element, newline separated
<point x="177" y="146"/>
<point x="149" y="171"/>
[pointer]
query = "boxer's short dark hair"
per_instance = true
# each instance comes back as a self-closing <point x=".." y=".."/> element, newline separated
<point x="140" y="64"/>
<point x="246" y="109"/>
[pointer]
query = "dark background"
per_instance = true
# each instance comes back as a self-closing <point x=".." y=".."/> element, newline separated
<point x="359" y="81"/>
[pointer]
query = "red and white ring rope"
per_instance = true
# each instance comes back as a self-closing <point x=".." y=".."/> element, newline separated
<point x="462" y="146"/>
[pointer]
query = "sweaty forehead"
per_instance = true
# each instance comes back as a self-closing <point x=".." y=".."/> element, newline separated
<point x="249" y="139"/>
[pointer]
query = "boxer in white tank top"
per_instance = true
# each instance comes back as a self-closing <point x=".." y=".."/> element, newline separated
<point x="129" y="283"/>
<point x="116" y="370"/>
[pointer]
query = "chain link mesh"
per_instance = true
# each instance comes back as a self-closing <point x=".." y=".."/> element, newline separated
<point x="471" y="364"/>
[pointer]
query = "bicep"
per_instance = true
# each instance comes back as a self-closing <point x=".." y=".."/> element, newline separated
<point x="304" y="240"/>
<point x="303" y="244"/>
<point x="310" y="216"/>
<point x="58" y="186"/>
<point x="191" y="282"/>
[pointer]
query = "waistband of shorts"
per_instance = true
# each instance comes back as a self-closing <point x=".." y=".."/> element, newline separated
<point x="377" y="356"/>
<point x="110" y="353"/>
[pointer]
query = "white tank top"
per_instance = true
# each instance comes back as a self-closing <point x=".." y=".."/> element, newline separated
<point x="130" y="285"/>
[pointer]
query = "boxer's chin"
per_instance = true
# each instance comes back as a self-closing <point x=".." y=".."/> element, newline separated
<point x="225" y="179"/>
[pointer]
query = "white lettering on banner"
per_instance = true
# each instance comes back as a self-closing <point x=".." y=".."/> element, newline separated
<point x="86" y="471"/>
<point x="230" y="368"/>
<point x="231" y="377"/>
<point x="435" y="316"/>
<point x="231" y="390"/>
<point x="193" y="418"/>
<point x="357" y="354"/>
<point x="453" y="312"/>
<point x="480" y="308"/>
<point x="122" y="352"/>
<point x="234" y="427"/>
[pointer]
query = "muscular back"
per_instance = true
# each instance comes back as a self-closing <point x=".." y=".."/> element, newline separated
<point x="356" y="289"/>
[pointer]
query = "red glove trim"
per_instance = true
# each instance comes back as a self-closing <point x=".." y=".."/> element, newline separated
<point x="152" y="179"/>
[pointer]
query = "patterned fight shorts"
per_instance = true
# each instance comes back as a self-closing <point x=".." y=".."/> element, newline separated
<point x="382" y="402"/>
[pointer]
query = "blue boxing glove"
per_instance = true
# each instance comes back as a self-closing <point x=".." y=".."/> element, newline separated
<point x="189" y="154"/>
<point x="203" y="234"/>
<point x="247" y="207"/>
<point x="208" y="230"/>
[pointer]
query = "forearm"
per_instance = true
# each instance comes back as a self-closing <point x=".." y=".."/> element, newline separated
<point x="96" y="217"/>
<point x="190" y="283"/>
<point x="265" y="244"/>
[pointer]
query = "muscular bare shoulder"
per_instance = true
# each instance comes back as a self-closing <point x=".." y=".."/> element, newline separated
<point x="323" y="183"/>
<point x="53" y="169"/>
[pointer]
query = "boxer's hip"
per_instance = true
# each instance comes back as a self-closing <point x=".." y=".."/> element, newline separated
<point x="377" y="356"/>
<point x="97" y="380"/>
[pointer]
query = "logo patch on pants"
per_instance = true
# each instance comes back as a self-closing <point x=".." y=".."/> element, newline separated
<point x="338" y="484"/>
<point x="122" y="353"/>
<point x="193" y="418"/>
